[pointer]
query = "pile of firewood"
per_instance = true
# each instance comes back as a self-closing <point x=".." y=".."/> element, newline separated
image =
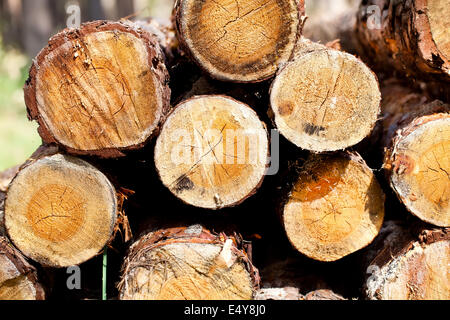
<point x="230" y="155"/>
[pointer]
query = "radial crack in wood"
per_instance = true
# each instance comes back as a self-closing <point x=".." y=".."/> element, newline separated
<point x="89" y="98"/>
<point x="240" y="40"/>
<point x="335" y="208"/>
<point x="60" y="211"/>
<point x="325" y="100"/>
<point x="212" y="152"/>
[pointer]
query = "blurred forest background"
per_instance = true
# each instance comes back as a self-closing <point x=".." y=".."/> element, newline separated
<point x="26" y="26"/>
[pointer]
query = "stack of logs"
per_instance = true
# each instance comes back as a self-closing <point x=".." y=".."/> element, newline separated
<point x="190" y="111"/>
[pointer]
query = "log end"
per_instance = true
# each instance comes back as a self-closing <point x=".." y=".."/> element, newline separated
<point x="335" y="208"/>
<point x="60" y="211"/>
<point x="325" y="100"/>
<point x="212" y="161"/>
<point x="89" y="98"/>
<point x="420" y="168"/>
<point x="241" y="41"/>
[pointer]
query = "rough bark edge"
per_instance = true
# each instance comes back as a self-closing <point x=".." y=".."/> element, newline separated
<point x="155" y="61"/>
<point x="22" y="266"/>
<point x="395" y="239"/>
<point x="251" y="193"/>
<point x="176" y="16"/>
<point x="408" y="42"/>
<point x="164" y="237"/>
<point x="393" y="161"/>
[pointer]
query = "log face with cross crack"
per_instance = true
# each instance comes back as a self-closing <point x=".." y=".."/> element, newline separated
<point x="60" y="211"/>
<point x="89" y="98"/>
<point x="212" y="152"/>
<point x="239" y="40"/>
<point x="325" y="99"/>
<point x="335" y="207"/>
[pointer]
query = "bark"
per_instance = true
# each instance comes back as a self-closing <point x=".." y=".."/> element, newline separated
<point x="18" y="279"/>
<point x="241" y="41"/>
<point x="410" y="36"/>
<point x="190" y="264"/>
<point x="59" y="210"/>
<point x="215" y="161"/>
<point x="416" y="137"/>
<point x="408" y="265"/>
<point x="335" y="207"/>
<point x="325" y="99"/>
<point x="89" y="99"/>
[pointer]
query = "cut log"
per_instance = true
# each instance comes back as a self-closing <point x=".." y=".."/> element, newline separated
<point x="335" y="207"/>
<point x="241" y="41"/>
<point x="410" y="36"/>
<point x="324" y="100"/>
<point x="88" y="97"/>
<point x="60" y="211"/>
<point x="212" y="161"/>
<point x="407" y="267"/>
<point x="18" y="279"/>
<point x="417" y="143"/>
<point x="187" y="264"/>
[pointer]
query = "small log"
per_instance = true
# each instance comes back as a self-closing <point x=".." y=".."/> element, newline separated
<point x="404" y="266"/>
<point x="87" y="96"/>
<point x="18" y="279"/>
<point x="212" y="152"/>
<point x="325" y="99"/>
<point x="240" y="41"/>
<point x="410" y="36"/>
<point x="187" y="264"/>
<point x="60" y="211"/>
<point x="417" y="142"/>
<point x="335" y="207"/>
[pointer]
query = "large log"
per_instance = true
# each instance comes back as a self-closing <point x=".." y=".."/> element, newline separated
<point x="334" y="208"/>
<point x="325" y="99"/>
<point x="188" y="264"/>
<point x="405" y="266"/>
<point x="212" y="152"/>
<point x="410" y="36"/>
<point x="18" y="279"/>
<point x="60" y="211"/>
<point x="417" y="143"/>
<point x="88" y="97"/>
<point x="243" y="40"/>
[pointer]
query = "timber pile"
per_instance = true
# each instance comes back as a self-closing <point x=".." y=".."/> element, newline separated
<point x="176" y="119"/>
